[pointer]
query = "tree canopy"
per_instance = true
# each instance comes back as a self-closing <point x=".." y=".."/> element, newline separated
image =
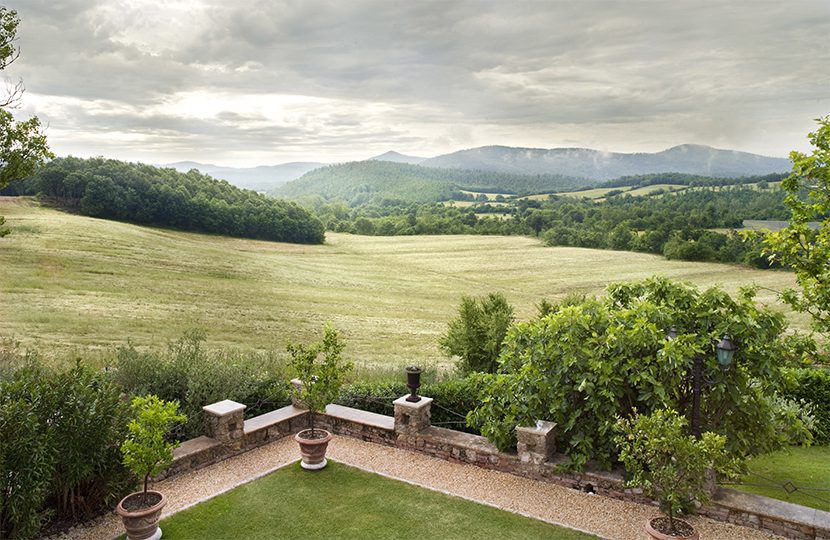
<point x="800" y="246"/>
<point x="22" y="143"/>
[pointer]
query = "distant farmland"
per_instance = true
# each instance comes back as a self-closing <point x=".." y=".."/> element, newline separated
<point x="76" y="283"/>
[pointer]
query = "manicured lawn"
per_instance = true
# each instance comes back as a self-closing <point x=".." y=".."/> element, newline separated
<point x="804" y="467"/>
<point x="79" y="285"/>
<point x="343" y="502"/>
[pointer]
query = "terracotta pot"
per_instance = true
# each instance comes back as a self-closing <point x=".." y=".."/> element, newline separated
<point x="142" y="524"/>
<point x="313" y="450"/>
<point x="657" y="535"/>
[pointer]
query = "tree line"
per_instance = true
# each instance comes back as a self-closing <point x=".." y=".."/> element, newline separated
<point x="678" y="225"/>
<point x="192" y="201"/>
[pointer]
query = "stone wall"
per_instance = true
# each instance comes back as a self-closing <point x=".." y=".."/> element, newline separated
<point x="228" y="434"/>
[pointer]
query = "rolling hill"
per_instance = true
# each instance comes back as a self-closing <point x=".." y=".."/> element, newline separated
<point x="397" y="157"/>
<point x="597" y="165"/>
<point x="361" y="181"/>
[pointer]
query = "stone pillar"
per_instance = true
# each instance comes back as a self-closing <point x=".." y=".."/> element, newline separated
<point x="225" y="421"/>
<point x="410" y="418"/>
<point x="536" y="444"/>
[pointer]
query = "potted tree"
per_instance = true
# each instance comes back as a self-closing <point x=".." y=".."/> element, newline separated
<point x="147" y="453"/>
<point x="671" y="466"/>
<point x="322" y="371"/>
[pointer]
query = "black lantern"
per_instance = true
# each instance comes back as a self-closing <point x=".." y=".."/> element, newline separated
<point x="726" y="351"/>
<point x="413" y="382"/>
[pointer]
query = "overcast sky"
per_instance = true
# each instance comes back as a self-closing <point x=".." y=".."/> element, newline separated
<point x="264" y="81"/>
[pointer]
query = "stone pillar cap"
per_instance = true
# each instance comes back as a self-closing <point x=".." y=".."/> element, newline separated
<point x="223" y="408"/>
<point x="412" y="405"/>
<point x="541" y="427"/>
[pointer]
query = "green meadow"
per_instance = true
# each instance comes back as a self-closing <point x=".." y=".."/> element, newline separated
<point x="78" y="285"/>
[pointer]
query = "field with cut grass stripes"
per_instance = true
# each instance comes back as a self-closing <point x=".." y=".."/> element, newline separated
<point x="72" y="283"/>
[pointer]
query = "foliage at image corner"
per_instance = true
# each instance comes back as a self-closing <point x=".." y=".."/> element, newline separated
<point x="668" y="463"/>
<point x="146" y="450"/>
<point x="321" y="368"/>
<point x="587" y="363"/>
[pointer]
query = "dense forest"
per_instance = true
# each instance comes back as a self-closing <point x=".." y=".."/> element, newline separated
<point x="139" y="193"/>
<point x="363" y="182"/>
<point x="677" y="225"/>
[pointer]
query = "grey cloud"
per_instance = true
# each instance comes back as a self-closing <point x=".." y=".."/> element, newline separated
<point x="679" y="71"/>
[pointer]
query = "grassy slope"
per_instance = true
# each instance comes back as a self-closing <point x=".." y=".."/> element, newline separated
<point x="71" y="281"/>
<point x="342" y="502"/>
<point x="805" y="467"/>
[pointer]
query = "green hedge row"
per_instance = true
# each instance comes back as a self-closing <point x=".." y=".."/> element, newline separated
<point x="813" y="386"/>
<point x="452" y="399"/>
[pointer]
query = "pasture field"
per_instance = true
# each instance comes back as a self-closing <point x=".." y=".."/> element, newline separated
<point x="80" y="284"/>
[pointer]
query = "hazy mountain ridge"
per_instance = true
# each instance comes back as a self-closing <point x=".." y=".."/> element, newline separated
<point x="598" y="165"/>
<point x="397" y="157"/>
<point x="260" y="178"/>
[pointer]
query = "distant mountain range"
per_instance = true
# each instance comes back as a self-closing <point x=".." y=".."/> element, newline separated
<point x="587" y="164"/>
<point x="263" y="178"/>
<point x="597" y="165"/>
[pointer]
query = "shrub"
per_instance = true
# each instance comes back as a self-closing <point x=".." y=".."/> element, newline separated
<point x="196" y="376"/>
<point x="477" y="333"/>
<point x="59" y="435"/>
<point x="668" y="463"/>
<point x="585" y="364"/>
<point x="812" y="386"/>
<point x="146" y="452"/>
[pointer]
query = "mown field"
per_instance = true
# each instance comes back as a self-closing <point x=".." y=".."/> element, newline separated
<point x="74" y="284"/>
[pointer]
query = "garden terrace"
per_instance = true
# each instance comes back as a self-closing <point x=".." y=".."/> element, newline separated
<point x="408" y="448"/>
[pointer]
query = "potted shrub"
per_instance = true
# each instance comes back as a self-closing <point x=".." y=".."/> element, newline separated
<point x="671" y="466"/>
<point x="147" y="453"/>
<point x="322" y="371"/>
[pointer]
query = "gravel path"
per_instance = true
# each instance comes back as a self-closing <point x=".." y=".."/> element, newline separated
<point x="601" y="516"/>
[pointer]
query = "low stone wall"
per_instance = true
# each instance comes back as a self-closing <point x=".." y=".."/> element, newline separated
<point x="228" y="434"/>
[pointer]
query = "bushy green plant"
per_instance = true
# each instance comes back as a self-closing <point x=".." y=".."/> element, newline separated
<point x="59" y="437"/>
<point x="668" y="463"/>
<point x="476" y="335"/>
<point x="322" y="370"/>
<point x="27" y="457"/>
<point x="585" y="364"/>
<point x="812" y="386"/>
<point x="195" y="376"/>
<point x="146" y="450"/>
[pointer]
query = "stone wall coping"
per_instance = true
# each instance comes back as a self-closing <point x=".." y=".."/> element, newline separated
<point x="542" y="427"/>
<point x="773" y="508"/>
<point x="264" y="421"/>
<point x="194" y="446"/>
<point x="223" y="408"/>
<point x="459" y="438"/>
<point x="361" y="417"/>
<point x="412" y="404"/>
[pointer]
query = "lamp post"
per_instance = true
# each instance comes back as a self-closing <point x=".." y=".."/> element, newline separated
<point x="725" y="351"/>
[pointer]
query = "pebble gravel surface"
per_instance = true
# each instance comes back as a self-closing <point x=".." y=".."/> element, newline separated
<point x="601" y="516"/>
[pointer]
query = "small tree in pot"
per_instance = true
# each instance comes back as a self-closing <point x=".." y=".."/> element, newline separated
<point x="671" y="466"/>
<point x="147" y="453"/>
<point x="322" y="371"/>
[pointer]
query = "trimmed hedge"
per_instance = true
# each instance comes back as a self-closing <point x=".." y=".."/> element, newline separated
<point x="813" y="386"/>
<point x="452" y="399"/>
